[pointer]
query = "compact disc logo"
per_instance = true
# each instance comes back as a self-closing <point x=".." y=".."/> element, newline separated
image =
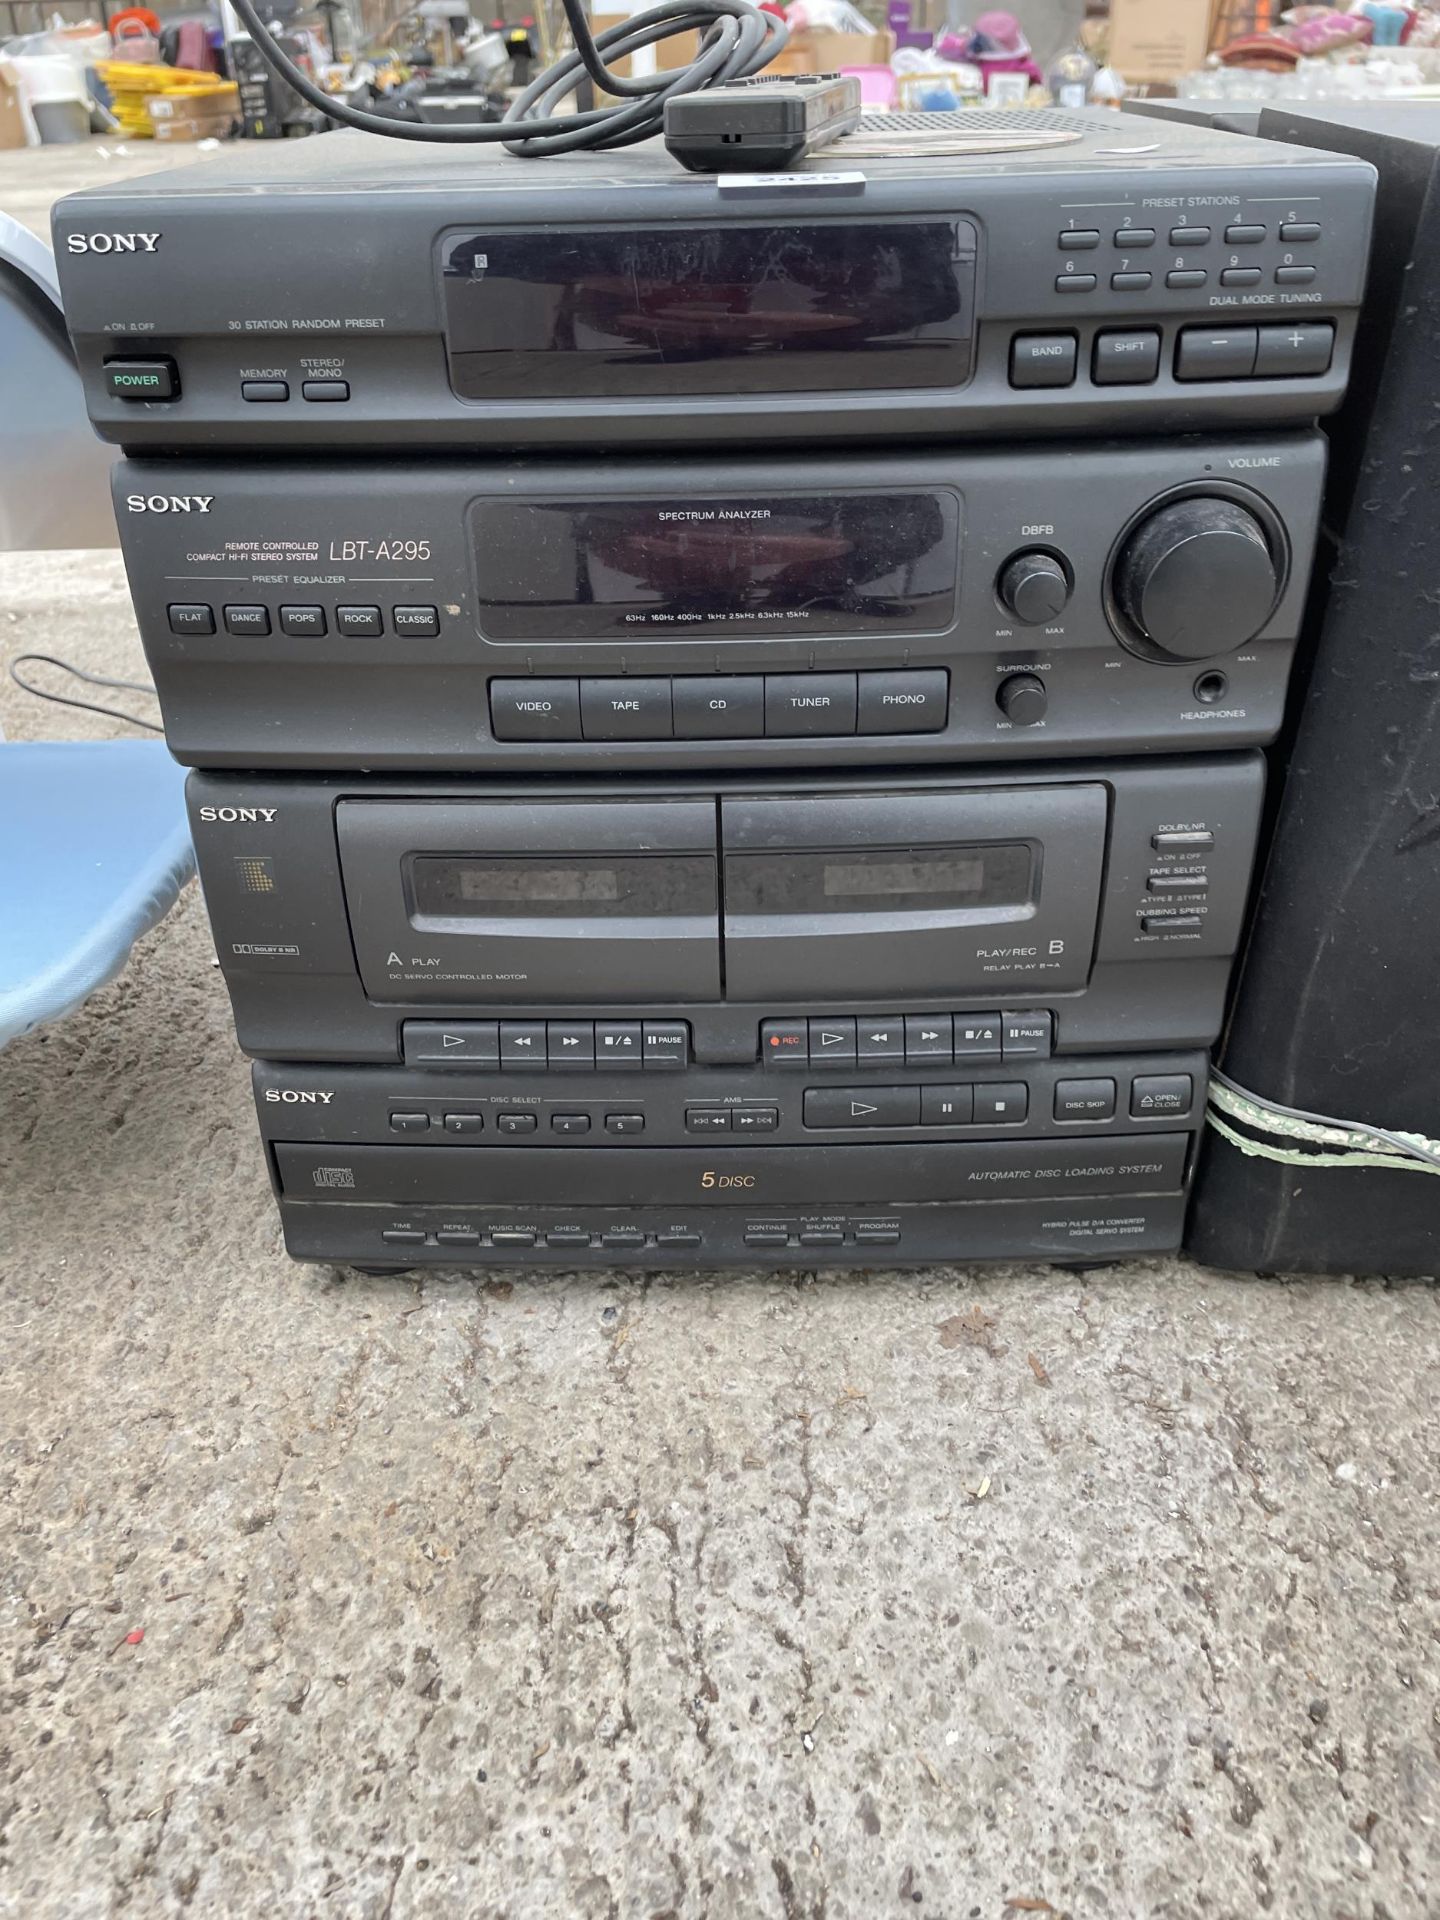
<point x="113" y="242"/>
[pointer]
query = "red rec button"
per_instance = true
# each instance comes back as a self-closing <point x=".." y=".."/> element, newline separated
<point x="785" y="1043"/>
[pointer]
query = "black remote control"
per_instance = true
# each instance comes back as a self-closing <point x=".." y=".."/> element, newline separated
<point x="760" y="124"/>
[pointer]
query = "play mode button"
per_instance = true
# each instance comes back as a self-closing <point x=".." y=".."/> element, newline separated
<point x="141" y="379"/>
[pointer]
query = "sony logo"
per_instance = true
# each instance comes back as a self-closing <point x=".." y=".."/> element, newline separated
<point x="292" y="1097"/>
<point x="112" y="242"/>
<point x="169" y="502"/>
<point x="230" y="814"/>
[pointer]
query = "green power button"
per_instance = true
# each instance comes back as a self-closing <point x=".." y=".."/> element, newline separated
<point x="141" y="379"/>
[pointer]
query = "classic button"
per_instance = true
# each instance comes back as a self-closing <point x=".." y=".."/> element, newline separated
<point x="1185" y="277"/>
<point x="302" y="622"/>
<point x="508" y="1237"/>
<point x="767" y="1237"/>
<point x="624" y="1123"/>
<point x="1026" y="1035"/>
<point x="1130" y="239"/>
<point x="915" y="702"/>
<point x="1152" y="1094"/>
<point x="1002" y="1105"/>
<point x="443" y="1043"/>
<point x="1079" y="239"/>
<point x="570" y="1044"/>
<point x="1295" y="350"/>
<point x="862" y="1106"/>
<point x="1240" y="277"/>
<point x="1244" y="236"/>
<point x="246" y="620"/>
<point x="832" y="1043"/>
<point x="264" y="391"/>
<point x="415" y="622"/>
<point x="325" y="389"/>
<point x="1042" y="360"/>
<point x="1178" y="883"/>
<point x="1075" y="283"/>
<point x="464" y="1123"/>
<point x="1189" y="236"/>
<point x="568" y="1237"/>
<point x="570" y="1123"/>
<point x="809" y="703"/>
<point x="535" y="709"/>
<point x="1215" y="353"/>
<point x="1294" y="276"/>
<point x="665" y="1043"/>
<point x="677" y="1240"/>
<point x="947" y="1106"/>
<point x="785" y="1043"/>
<point x="928" y="1040"/>
<point x="1300" y="232"/>
<point x="877" y="1041"/>
<point x="618" y="1045"/>
<point x="516" y="1123"/>
<point x="1085" y="1100"/>
<point x="191" y="619"/>
<point x="1187" y="840"/>
<point x="718" y="707"/>
<point x="141" y="379"/>
<point x="1172" y="922"/>
<point x="457" y="1237"/>
<point x="977" y="1036"/>
<point x="1127" y="359"/>
<point x="1130" y="282"/>
<point x="402" y="1236"/>
<point x="409" y="1122"/>
<point x="358" y="620"/>
<point x="522" y="1043"/>
<point x="707" y="1120"/>
<point x="822" y="1237"/>
<point x="756" y="1119"/>
<point x="625" y="709"/>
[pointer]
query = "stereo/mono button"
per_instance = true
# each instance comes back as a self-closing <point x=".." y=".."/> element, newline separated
<point x="325" y="389"/>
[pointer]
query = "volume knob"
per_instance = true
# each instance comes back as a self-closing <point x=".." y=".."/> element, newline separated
<point x="1197" y="579"/>
<point x="1034" y="587"/>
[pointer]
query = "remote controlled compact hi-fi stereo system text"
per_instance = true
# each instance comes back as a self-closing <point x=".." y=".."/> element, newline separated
<point x="727" y="710"/>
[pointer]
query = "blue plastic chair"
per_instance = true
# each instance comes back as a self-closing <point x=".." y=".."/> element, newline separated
<point x="94" y="849"/>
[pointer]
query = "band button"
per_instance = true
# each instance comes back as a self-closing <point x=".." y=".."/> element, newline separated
<point x="1042" y="360"/>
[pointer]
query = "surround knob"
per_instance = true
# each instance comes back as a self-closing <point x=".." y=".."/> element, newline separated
<point x="1034" y="587"/>
<point x="1022" y="698"/>
<point x="1197" y="579"/>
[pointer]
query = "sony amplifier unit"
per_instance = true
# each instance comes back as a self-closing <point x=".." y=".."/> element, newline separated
<point x="805" y="609"/>
<point x="1079" y="274"/>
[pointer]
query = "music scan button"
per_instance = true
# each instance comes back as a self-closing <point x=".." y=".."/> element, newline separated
<point x="442" y="1043"/>
<point x="141" y="379"/>
<point x="785" y="1043"/>
<point x="832" y="1043"/>
<point x="535" y="709"/>
<point x="862" y="1106"/>
<point x="904" y="702"/>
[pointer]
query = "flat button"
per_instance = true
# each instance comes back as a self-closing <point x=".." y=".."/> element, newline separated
<point x="415" y="622"/>
<point x="1294" y="350"/>
<point x="1075" y="283"/>
<point x="1002" y="1105"/>
<point x="1085" y="1100"/>
<point x="878" y="1041"/>
<point x="718" y="707"/>
<point x="1183" y="840"/>
<point x="618" y="1045"/>
<point x="625" y="709"/>
<point x="464" y="1123"/>
<point x="1186" y="277"/>
<point x="522" y="1043"/>
<point x="624" y="1123"/>
<point x="756" y="1119"/>
<point x="947" y="1106"/>
<point x="832" y="1043"/>
<point x="1244" y="236"/>
<point x="1026" y="1035"/>
<point x="246" y="620"/>
<point x="797" y="704"/>
<point x="707" y="1120"/>
<point x="665" y="1043"/>
<point x="862" y="1106"/>
<point x="457" y="1237"/>
<point x="409" y="1122"/>
<point x="1172" y="922"/>
<point x="1042" y="360"/>
<point x="1152" y="1094"/>
<point x="1079" y="239"/>
<point x="928" y="1039"/>
<point x="570" y="1123"/>
<point x="1189" y="236"/>
<point x="822" y="1237"/>
<point x="1300" y="232"/>
<point x="191" y="619"/>
<point x="512" y="1238"/>
<point x="977" y="1036"/>
<point x="1215" y="353"/>
<point x="445" y="1043"/>
<point x="325" y="389"/>
<point x="915" y="702"/>
<point x="785" y="1043"/>
<point x="568" y="1237"/>
<point x="1294" y="276"/>
<point x="1127" y="359"/>
<point x="402" y="1237"/>
<point x="358" y="620"/>
<point x="141" y="379"/>
<point x="516" y="1123"/>
<point x="535" y="709"/>
<point x="570" y="1044"/>
<point x="1240" y="277"/>
<point x="1130" y="239"/>
<point x="1130" y="282"/>
<point x="302" y="622"/>
<point x="264" y="391"/>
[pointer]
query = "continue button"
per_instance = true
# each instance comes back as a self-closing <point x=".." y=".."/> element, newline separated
<point x="141" y="379"/>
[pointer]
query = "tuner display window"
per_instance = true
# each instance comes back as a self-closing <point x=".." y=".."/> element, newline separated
<point x="655" y="311"/>
<point x="941" y="880"/>
<point x="786" y="564"/>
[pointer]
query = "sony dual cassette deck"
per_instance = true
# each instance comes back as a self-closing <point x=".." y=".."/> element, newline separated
<point x="728" y="712"/>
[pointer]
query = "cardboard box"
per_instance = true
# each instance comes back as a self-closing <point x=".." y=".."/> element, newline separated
<point x="1159" y="40"/>
<point x="809" y="52"/>
<point x="12" y="110"/>
<point x="203" y="116"/>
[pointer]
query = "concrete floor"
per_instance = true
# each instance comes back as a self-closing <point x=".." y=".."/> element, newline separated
<point x="962" y="1594"/>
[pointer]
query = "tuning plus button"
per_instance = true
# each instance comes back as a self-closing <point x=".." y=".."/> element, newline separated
<point x="1196" y="579"/>
<point x="1034" y="587"/>
<point x="1023" y="698"/>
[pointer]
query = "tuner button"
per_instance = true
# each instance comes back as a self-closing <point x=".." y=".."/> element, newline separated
<point x="1197" y="579"/>
<point x="1023" y="699"/>
<point x="1034" y="587"/>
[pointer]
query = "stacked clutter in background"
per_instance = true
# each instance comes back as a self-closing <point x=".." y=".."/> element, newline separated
<point x="150" y="101"/>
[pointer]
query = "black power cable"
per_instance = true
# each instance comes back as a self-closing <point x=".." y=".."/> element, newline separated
<point x="737" y="39"/>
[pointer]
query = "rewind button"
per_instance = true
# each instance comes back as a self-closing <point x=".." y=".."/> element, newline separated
<point x="880" y="1040"/>
<point x="832" y="1043"/>
<point x="522" y="1043"/>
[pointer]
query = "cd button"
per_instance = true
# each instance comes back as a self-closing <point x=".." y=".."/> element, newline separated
<point x="1085" y="1100"/>
<point x="358" y="621"/>
<point x="570" y="1044"/>
<point x="1130" y="282"/>
<point x="1079" y="240"/>
<point x="832" y="1043"/>
<point x="409" y="1122"/>
<point x="1042" y="360"/>
<point x="522" y="1043"/>
<point x="302" y="622"/>
<point x="785" y="1043"/>
<point x="947" y="1106"/>
<point x="625" y="709"/>
<point x="1127" y="359"/>
<point x="1216" y="353"/>
<point x="246" y="620"/>
<point x="570" y="1123"/>
<point x="535" y="709"/>
<point x="624" y="1123"/>
<point x="797" y="704"/>
<point x="191" y="619"/>
<point x="904" y="702"/>
<point x="879" y="1040"/>
<point x="516" y="1123"/>
<point x="441" y="1043"/>
<point x="1294" y="350"/>
<point x="1004" y="1105"/>
<point x="618" y="1045"/>
<point x="415" y="622"/>
<point x="665" y="1043"/>
<point x="1160" y="1093"/>
<point x="862" y="1106"/>
<point x="730" y="707"/>
<point x="977" y="1036"/>
<point x="928" y="1040"/>
<point x="464" y="1123"/>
